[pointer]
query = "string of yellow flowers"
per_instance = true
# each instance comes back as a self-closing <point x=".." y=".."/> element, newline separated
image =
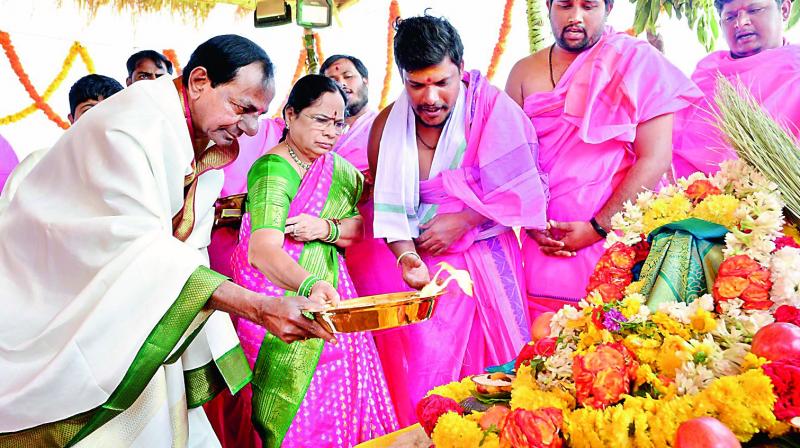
<point x="394" y="14"/>
<point x="500" y="46"/>
<point x="40" y="101"/>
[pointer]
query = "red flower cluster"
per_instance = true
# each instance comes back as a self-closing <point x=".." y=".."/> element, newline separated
<point x="613" y="271"/>
<point x="785" y="241"/>
<point x="785" y="376"/>
<point x="741" y="276"/>
<point x="522" y="428"/>
<point x="430" y="408"/>
<point x="603" y="376"/>
<point x="543" y="347"/>
<point x="700" y="189"/>
<point x="788" y="313"/>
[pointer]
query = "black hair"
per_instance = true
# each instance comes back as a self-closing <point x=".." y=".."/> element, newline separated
<point x="223" y="56"/>
<point x="306" y="91"/>
<point x="424" y="41"/>
<point x="159" y="59"/>
<point x="360" y="67"/>
<point x="91" y="87"/>
<point x="719" y="4"/>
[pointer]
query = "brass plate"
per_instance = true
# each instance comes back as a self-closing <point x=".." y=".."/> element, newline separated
<point x="378" y="312"/>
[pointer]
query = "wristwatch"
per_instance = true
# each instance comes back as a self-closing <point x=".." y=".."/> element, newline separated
<point x="598" y="228"/>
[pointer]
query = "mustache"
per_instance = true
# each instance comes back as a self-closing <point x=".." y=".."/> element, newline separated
<point x="577" y="28"/>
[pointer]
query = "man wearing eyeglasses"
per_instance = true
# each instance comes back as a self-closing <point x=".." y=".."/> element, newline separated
<point x="765" y="64"/>
<point x="369" y="261"/>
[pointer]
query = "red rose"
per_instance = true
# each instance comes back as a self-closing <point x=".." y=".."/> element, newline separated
<point x="543" y="347"/>
<point x="522" y="428"/>
<point x="525" y="356"/>
<point x="785" y="376"/>
<point x="785" y="241"/>
<point x="788" y="313"/>
<point x="642" y="250"/>
<point x="430" y="408"/>
<point x="738" y="266"/>
<point x="603" y="376"/>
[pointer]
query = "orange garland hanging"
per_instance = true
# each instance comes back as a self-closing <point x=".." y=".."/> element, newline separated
<point x="173" y="57"/>
<point x="40" y="101"/>
<point x="500" y="47"/>
<point x="394" y="14"/>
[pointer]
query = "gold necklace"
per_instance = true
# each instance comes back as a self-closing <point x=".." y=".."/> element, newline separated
<point x="296" y="159"/>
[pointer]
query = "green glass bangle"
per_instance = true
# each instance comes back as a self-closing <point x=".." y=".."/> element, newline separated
<point x="305" y="287"/>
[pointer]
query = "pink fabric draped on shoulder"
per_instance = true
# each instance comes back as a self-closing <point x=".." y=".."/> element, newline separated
<point x="8" y="160"/>
<point x="498" y="178"/>
<point x="771" y="76"/>
<point x="586" y="128"/>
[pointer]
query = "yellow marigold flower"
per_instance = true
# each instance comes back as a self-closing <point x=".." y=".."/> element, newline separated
<point x="645" y="349"/>
<point x="670" y="326"/>
<point x="457" y="390"/>
<point x="594" y="336"/>
<point x="634" y="288"/>
<point x="718" y="208"/>
<point x="672" y="355"/>
<point x="665" y="210"/>
<point x="524" y="378"/>
<point x="631" y="304"/>
<point x="753" y="361"/>
<point x="743" y="402"/>
<point x="703" y="321"/>
<point x="454" y="431"/>
<point x="533" y="399"/>
<point x="792" y="232"/>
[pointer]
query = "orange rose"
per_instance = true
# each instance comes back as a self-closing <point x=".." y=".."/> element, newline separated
<point x="738" y="266"/>
<point x="700" y="189"/>
<point x="622" y="256"/>
<point x="609" y="292"/>
<point x="603" y="376"/>
<point x="522" y="428"/>
<point x="726" y="288"/>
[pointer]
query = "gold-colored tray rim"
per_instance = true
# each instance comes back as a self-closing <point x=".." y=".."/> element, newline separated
<point x="368" y="302"/>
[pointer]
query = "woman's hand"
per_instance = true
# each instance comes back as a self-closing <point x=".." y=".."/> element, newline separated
<point x="305" y="228"/>
<point x="415" y="272"/>
<point x="324" y="293"/>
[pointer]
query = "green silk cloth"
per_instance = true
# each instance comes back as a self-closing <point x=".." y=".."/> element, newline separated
<point x="283" y="372"/>
<point x="683" y="261"/>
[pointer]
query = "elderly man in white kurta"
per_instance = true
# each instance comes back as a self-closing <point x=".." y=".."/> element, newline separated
<point x="107" y="334"/>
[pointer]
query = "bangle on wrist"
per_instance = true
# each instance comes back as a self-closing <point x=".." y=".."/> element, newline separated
<point x="408" y="252"/>
<point x="308" y="284"/>
<point x="598" y="228"/>
<point x="333" y="231"/>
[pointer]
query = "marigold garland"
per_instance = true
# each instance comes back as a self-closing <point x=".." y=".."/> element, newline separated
<point x="500" y="46"/>
<point x="173" y="57"/>
<point x="394" y="14"/>
<point x="40" y="101"/>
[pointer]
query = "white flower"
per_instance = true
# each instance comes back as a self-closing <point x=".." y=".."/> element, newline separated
<point x="785" y="276"/>
<point x="559" y="321"/>
<point x="691" y="378"/>
<point x="685" y="182"/>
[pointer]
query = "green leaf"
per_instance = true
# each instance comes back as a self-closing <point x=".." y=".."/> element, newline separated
<point x="642" y="15"/>
<point x="655" y="10"/>
<point x="794" y="17"/>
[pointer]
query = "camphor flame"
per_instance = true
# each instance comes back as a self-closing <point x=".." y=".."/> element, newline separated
<point x="460" y="276"/>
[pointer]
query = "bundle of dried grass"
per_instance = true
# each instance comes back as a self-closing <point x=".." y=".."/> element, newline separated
<point x="760" y="141"/>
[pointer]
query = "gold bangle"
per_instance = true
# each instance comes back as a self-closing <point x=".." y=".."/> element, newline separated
<point x="408" y="252"/>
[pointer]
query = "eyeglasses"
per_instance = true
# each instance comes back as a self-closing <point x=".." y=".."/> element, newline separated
<point x="322" y="122"/>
